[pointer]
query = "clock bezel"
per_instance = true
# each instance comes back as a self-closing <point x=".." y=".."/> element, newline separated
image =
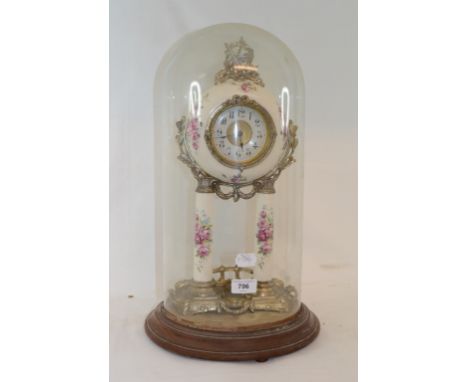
<point x="270" y="129"/>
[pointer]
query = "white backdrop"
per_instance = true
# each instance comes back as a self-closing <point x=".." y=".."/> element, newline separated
<point x="323" y="36"/>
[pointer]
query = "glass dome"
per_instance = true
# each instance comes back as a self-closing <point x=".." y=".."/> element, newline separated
<point x="229" y="131"/>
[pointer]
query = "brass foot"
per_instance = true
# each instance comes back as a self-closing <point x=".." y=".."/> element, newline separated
<point x="274" y="296"/>
<point x="193" y="297"/>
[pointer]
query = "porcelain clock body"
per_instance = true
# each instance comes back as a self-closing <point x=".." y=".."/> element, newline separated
<point x="238" y="139"/>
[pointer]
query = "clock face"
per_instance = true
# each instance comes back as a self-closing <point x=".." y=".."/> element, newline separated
<point x="241" y="135"/>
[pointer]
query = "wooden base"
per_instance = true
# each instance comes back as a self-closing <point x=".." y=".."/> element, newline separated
<point x="255" y="343"/>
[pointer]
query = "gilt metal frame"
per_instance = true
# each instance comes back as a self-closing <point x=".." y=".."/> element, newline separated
<point x="236" y="190"/>
<point x="238" y="64"/>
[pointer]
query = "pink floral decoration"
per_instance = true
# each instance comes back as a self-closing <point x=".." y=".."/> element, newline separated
<point x="202" y="235"/>
<point x="245" y="87"/>
<point x="265" y="232"/>
<point x="236" y="178"/>
<point x="193" y="130"/>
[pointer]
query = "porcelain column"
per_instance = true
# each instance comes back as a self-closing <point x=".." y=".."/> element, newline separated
<point x="264" y="237"/>
<point x="202" y="255"/>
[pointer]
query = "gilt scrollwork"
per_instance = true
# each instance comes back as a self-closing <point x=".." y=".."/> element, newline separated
<point x="236" y="190"/>
<point x="238" y="64"/>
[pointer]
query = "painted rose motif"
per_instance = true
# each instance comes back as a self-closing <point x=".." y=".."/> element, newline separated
<point x="193" y="130"/>
<point x="202" y="234"/>
<point x="247" y="87"/>
<point x="236" y="178"/>
<point x="265" y="232"/>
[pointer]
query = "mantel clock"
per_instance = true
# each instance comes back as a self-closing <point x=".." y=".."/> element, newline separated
<point x="229" y="149"/>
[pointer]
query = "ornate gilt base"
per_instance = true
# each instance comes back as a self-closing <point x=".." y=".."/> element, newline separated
<point x="273" y="296"/>
<point x="190" y="297"/>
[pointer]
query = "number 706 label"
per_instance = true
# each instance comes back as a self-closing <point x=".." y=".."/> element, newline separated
<point x="243" y="286"/>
